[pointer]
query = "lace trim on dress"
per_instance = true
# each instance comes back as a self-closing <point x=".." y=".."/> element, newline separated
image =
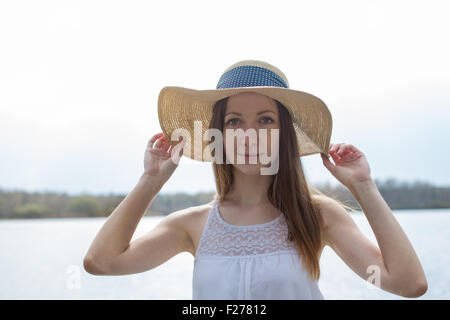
<point x="223" y="239"/>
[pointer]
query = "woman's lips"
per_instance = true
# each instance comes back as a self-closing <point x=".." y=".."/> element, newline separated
<point x="248" y="155"/>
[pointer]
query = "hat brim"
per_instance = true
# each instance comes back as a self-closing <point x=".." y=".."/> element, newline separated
<point x="180" y="107"/>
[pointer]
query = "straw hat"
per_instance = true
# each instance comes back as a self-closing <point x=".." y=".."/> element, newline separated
<point x="191" y="109"/>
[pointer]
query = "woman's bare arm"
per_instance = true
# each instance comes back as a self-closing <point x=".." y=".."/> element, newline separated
<point x="115" y="235"/>
<point x="394" y="265"/>
<point x="113" y="239"/>
<point x="399" y="267"/>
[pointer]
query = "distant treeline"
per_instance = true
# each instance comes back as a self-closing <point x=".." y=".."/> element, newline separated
<point x="20" y="204"/>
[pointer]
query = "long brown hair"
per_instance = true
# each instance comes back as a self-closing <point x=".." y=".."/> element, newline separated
<point x="289" y="191"/>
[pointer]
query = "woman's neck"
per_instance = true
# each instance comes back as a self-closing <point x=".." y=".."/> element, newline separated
<point x="249" y="190"/>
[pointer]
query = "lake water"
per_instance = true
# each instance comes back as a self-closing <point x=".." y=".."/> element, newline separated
<point x="43" y="259"/>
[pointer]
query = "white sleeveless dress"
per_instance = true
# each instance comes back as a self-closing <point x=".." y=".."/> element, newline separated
<point x="249" y="263"/>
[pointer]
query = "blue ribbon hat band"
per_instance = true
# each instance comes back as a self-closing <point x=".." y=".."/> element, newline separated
<point x="250" y="76"/>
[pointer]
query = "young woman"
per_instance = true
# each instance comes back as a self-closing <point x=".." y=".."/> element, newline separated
<point x="263" y="235"/>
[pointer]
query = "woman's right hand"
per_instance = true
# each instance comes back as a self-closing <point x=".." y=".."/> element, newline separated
<point x="160" y="155"/>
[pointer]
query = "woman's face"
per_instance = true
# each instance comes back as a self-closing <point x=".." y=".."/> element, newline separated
<point x="250" y="112"/>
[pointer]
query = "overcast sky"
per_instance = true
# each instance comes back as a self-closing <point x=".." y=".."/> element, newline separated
<point x="79" y="82"/>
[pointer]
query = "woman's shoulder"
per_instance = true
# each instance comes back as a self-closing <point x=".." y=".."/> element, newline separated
<point x="192" y="220"/>
<point x="330" y="209"/>
<point x="193" y="212"/>
<point x="319" y="200"/>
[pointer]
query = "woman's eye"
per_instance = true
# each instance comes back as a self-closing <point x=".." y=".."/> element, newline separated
<point x="231" y="121"/>
<point x="267" y="118"/>
<point x="235" y="121"/>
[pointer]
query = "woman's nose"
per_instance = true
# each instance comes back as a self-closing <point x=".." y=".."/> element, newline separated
<point x="249" y="141"/>
<point x="250" y="126"/>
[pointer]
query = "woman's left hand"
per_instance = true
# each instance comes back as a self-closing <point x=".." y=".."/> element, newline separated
<point x="351" y="166"/>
